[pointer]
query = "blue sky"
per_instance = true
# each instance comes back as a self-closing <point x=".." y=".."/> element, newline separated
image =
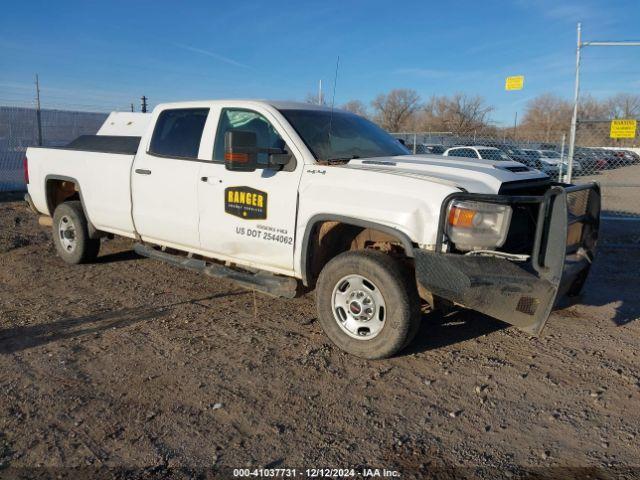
<point x="105" y="55"/>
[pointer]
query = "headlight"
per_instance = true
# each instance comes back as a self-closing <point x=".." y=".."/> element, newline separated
<point x="477" y="225"/>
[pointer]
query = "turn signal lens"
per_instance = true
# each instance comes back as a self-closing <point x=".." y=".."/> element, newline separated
<point x="236" y="157"/>
<point x="461" y="217"/>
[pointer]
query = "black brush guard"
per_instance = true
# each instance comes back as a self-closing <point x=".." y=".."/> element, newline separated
<point x="521" y="293"/>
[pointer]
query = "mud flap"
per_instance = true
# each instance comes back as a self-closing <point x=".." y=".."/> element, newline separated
<point x="520" y="293"/>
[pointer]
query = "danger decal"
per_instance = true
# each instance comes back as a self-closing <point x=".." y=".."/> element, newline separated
<point x="245" y="202"/>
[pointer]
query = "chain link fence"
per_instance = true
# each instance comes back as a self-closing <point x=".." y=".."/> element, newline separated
<point x="19" y="130"/>
<point x="613" y="163"/>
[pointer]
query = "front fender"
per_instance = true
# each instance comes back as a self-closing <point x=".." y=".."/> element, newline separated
<point x="402" y="237"/>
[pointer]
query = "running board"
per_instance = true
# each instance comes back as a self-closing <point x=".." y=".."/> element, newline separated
<point x="265" y="282"/>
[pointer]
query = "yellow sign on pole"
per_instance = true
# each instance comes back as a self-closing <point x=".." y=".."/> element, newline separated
<point x="623" y="128"/>
<point x="514" y="83"/>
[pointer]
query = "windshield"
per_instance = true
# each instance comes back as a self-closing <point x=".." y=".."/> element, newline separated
<point x="532" y="154"/>
<point x="351" y="136"/>
<point x="488" y="154"/>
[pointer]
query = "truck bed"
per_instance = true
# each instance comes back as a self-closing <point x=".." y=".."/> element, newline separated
<point x="102" y="172"/>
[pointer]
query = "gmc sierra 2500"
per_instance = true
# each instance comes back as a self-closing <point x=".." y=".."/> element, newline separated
<point x="283" y="196"/>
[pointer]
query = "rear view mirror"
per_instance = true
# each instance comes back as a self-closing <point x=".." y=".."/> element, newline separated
<point x="240" y="150"/>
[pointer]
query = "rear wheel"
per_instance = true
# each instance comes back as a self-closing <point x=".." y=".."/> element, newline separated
<point x="366" y="304"/>
<point x="71" y="234"/>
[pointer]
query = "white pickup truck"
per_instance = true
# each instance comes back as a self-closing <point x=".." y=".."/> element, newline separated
<point x="285" y="197"/>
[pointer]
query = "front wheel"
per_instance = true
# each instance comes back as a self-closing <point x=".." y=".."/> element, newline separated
<point x="71" y="234"/>
<point x="367" y="305"/>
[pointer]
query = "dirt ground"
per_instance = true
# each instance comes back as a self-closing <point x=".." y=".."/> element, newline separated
<point x="130" y="363"/>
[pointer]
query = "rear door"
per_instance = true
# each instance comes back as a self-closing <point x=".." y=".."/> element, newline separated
<point x="165" y="177"/>
<point x="250" y="216"/>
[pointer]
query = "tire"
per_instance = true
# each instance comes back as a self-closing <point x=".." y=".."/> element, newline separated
<point x="350" y="291"/>
<point x="71" y="234"/>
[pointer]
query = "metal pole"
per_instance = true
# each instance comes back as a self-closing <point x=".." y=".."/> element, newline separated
<point x="574" y="117"/>
<point x="564" y="136"/>
<point x="515" y="126"/>
<point x="38" y="112"/>
<point x="611" y="44"/>
<point x="415" y="141"/>
<point x="320" y="92"/>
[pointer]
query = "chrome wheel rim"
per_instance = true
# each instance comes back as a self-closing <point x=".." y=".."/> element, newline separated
<point x="67" y="234"/>
<point x="358" y="307"/>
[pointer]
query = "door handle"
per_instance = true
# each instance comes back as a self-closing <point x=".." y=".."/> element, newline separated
<point x="143" y="171"/>
<point x="210" y="180"/>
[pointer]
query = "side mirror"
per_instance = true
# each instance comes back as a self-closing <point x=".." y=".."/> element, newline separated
<point x="279" y="160"/>
<point x="240" y="150"/>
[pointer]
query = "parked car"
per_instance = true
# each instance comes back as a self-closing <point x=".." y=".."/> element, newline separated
<point x="519" y="156"/>
<point x="548" y="165"/>
<point x="591" y="161"/>
<point x="621" y="158"/>
<point x="482" y="152"/>
<point x="432" y="148"/>
<point x="427" y="148"/>
<point x="256" y="192"/>
<point x="555" y="157"/>
<point x="635" y="158"/>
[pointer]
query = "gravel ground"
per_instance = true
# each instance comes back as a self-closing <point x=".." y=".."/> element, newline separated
<point x="130" y="363"/>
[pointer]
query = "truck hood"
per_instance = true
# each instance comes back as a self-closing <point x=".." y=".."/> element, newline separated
<point x="472" y="175"/>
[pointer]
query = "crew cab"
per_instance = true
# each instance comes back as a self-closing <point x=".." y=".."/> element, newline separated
<point x="286" y="197"/>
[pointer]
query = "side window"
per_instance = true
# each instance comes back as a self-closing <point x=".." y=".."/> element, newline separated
<point x="467" y="152"/>
<point x="238" y="119"/>
<point x="461" y="152"/>
<point x="178" y="132"/>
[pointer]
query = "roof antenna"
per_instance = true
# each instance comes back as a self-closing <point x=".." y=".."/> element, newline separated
<point x="333" y="98"/>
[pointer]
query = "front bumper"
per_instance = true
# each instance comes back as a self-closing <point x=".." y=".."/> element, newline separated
<point x="521" y="293"/>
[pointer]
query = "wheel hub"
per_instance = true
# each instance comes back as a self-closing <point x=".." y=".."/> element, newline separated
<point x="67" y="233"/>
<point x="358" y="307"/>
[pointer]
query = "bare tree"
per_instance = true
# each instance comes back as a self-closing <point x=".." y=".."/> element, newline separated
<point x="544" y="115"/>
<point x="591" y="108"/>
<point x="393" y="110"/>
<point x="357" y="107"/>
<point x="460" y="113"/>
<point x="624" y="105"/>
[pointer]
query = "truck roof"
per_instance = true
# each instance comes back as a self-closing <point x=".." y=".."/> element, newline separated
<point x="279" y="104"/>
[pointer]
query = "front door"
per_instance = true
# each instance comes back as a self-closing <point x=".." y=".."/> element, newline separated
<point x="164" y="181"/>
<point x="249" y="216"/>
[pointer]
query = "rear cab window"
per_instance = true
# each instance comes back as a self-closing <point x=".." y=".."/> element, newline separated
<point x="178" y="132"/>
